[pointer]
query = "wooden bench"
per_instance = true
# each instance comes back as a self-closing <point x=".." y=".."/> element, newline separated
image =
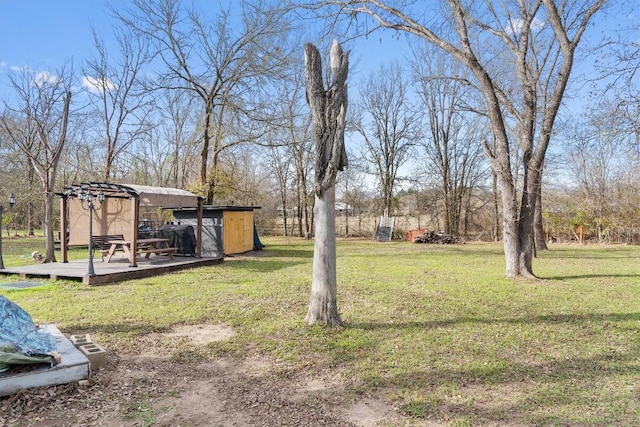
<point x="144" y="247"/>
<point x="102" y="243"/>
<point x="157" y="251"/>
<point x="59" y="240"/>
<point x="156" y="246"/>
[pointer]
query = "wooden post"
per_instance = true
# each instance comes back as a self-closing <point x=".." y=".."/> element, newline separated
<point x="199" y="227"/>
<point x="64" y="224"/>
<point x="135" y="212"/>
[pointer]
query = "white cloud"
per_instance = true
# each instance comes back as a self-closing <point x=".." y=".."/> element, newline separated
<point x="17" y="69"/>
<point x="44" y="77"/>
<point x="95" y="85"/>
<point x="515" y="26"/>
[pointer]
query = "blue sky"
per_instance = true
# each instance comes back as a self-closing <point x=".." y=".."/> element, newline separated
<point x="47" y="34"/>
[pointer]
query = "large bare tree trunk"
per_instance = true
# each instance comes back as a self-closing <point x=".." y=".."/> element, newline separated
<point x="328" y="110"/>
<point x="510" y="235"/>
<point x="324" y="290"/>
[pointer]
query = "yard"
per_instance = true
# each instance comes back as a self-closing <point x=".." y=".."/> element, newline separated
<point x="434" y="335"/>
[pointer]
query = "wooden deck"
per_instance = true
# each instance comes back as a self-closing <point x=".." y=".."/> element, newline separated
<point x="115" y="271"/>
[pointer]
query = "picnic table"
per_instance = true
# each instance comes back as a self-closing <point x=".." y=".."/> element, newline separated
<point x="143" y="246"/>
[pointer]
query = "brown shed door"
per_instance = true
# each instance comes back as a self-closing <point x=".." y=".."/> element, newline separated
<point x="238" y="232"/>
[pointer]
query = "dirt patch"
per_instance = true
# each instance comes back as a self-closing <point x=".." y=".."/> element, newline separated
<point x="144" y="389"/>
<point x="370" y="412"/>
<point x="202" y="334"/>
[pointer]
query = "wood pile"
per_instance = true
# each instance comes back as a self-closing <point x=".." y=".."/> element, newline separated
<point x="437" y="238"/>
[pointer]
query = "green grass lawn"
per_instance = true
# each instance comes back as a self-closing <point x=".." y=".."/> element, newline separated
<point x="437" y="329"/>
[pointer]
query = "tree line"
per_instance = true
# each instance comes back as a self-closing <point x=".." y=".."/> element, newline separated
<point x="472" y="123"/>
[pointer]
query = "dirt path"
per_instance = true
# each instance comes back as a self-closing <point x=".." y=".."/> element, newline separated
<point x="149" y="388"/>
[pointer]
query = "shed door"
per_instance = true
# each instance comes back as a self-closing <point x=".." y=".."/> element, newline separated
<point x="238" y="232"/>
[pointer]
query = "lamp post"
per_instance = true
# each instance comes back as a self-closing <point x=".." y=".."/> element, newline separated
<point x="87" y="197"/>
<point x="12" y="201"/>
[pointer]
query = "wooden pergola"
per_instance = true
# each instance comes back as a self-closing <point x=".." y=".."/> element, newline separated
<point x="119" y="212"/>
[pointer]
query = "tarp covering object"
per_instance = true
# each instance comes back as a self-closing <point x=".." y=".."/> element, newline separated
<point x="180" y="236"/>
<point x="19" y="338"/>
<point x="257" y="244"/>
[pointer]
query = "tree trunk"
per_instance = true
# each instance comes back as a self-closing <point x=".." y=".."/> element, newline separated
<point x="525" y="237"/>
<point x="49" y="178"/>
<point x="496" y="207"/>
<point x="538" y="226"/>
<point x="207" y="187"/>
<point x="324" y="302"/>
<point x="346" y="220"/>
<point x="31" y="179"/>
<point x="517" y="223"/>
<point x="30" y="231"/>
<point x="530" y="193"/>
<point x="299" y="212"/>
<point x="49" y="229"/>
<point x="50" y="255"/>
<point x="510" y="236"/>
<point x="328" y="111"/>
<point x="310" y="224"/>
<point x="285" y="223"/>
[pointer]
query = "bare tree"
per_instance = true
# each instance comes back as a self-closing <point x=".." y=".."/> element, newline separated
<point x="37" y="124"/>
<point x="153" y="154"/>
<point x="351" y="183"/>
<point x="596" y="159"/>
<point x="243" y="179"/>
<point x="451" y="145"/>
<point x="179" y="129"/>
<point x="291" y="151"/>
<point x="225" y="62"/>
<point x="299" y="141"/>
<point x="302" y="159"/>
<point x="20" y="178"/>
<point x="116" y="92"/>
<point x="534" y="41"/>
<point x="328" y="110"/>
<point x="390" y="126"/>
<point x="279" y="162"/>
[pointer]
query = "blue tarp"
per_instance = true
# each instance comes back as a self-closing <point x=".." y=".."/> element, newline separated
<point x="17" y="328"/>
<point x="257" y="244"/>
